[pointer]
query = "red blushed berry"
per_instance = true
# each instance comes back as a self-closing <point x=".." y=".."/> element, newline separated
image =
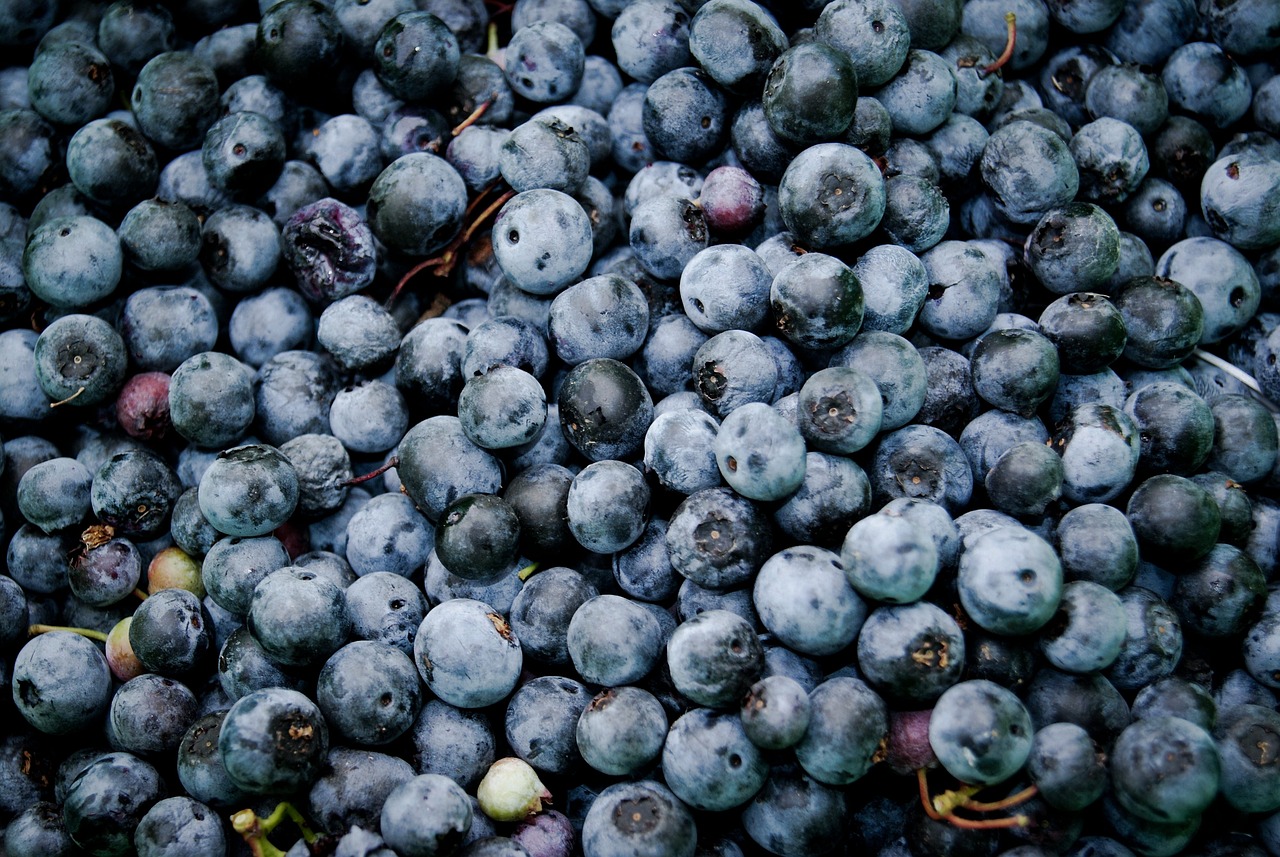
<point x="295" y="537"/>
<point x="908" y="746"/>
<point x="732" y="200"/>
<point x="142" y="407"/>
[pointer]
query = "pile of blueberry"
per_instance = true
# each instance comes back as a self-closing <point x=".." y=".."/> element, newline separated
<point x="640" y="428"/>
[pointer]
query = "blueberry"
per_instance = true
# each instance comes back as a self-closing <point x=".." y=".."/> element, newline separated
<point x="641" y="818"/>
<point x="847" y="724"/>
<point x="38" y="829"/>
<point x="1010" y="581"/>
<point x="614" y="641"/>
<point x="651" y="38"/>
<point x="725" y="287"/>
<point x="1067" y="766"/>
<point x="70" y="83"/>
<point x="298" y="43"/>
<point x="541" y="723"/>
<point x="171" y="633"/>
<point x="1100" y="448"/>
<point x="542" y="240"/>
<point x="831" y="195"/>
<point x="545" y="62"/>
<point x="160" y="236"/>
<point x="107" y="800"/>
<point x="793" y="815"/>
<point x="666" y="232"/>
<point x="61" y="683"/>
<point x="921" y="462"/>
<point x="1244" y="781"/>
<point x="894" y="287"/>
<point x="433" y="487"/>
<point x="369" y="692"/>
<point x="163" y="326"/>
<point x="429" y="814"/>
<point x="621" y="730"/>
<point x="240" y="248"/>
<point x="293" y="393"/>
<point x="834" y="494"/>
<point x="273" y="741"/>
<point x="243" y="154"/>
<point x="244" y="666"/>
<point x="921" y="94"/>
<point x="474" y="154"/>
<point x="714" y="658"/>
<point x="964" y="290"/>
<point x="603" y="316"/>
<point x="601" y="84"/>
<point x="1165" y="769"/>
<point x="1111" y="157"/>
<point x="111" y="163"/>
<point x="350" y="794"/>
<point x="134" y="492"/>
<point x="1016" y="370"/>
<point x="1074" y="248"/>
<point x="709" y="762"/>
<point x="1235" y="194"/>
<point x="505" y="339"/>
<point x="428" y="363"/>
<point x="416" y="204"/>
<point x="911" y="653"/>
<point x="605" y="409"/>
<point x="887" y="559"/>
<point x="150" y="714"/>
<point x="1243" y="438"/>
<point x="330" y="250"/>
<point x="467" y="654"/>
<point x="249" y="490"/>
<point x="1153" y="642"/>
<point x="453" y="742"/>
<point x="733" y="369"/>
<point x="54" y="495"/>
<point x="1221" y="595"/>
<point x="817" y="301"/>
<point x="1086" y="329"/>
<point x="980" y="732"/>
<point x="387" y="608"/>
<point x="1029" y="170"/>
<point x="761" y="454"/>
<point x="786" y="589"/>
<point x="631" y="148"/>
<point x="606" y="506"/>
<point x="545" y="152"/>
<point x="839" y="410"/>
<point x="73" y="261"/>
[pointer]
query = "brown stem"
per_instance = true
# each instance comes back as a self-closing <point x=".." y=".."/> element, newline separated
<point x="988" y="823"/>
<point x="1008" y="803"/>
<point x="972" y="823"/>
<point x="391" y="462"/>
<point x="472" y="118"/>
<point x="445" y="261"/>
<point x="67" y="399"/>
<point x="922" y="778"/>
<point x="1011" y="20"/>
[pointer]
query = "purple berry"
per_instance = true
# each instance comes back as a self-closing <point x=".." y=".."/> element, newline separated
<point x="330" y="250"/>
<point x="732" y="200"/>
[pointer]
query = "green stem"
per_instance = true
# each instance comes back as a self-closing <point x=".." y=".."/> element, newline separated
<point x="83" y="632"/>
<point x="528" y="571"/>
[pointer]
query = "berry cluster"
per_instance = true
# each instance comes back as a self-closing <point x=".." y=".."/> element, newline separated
<point x="640" y="428"/>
